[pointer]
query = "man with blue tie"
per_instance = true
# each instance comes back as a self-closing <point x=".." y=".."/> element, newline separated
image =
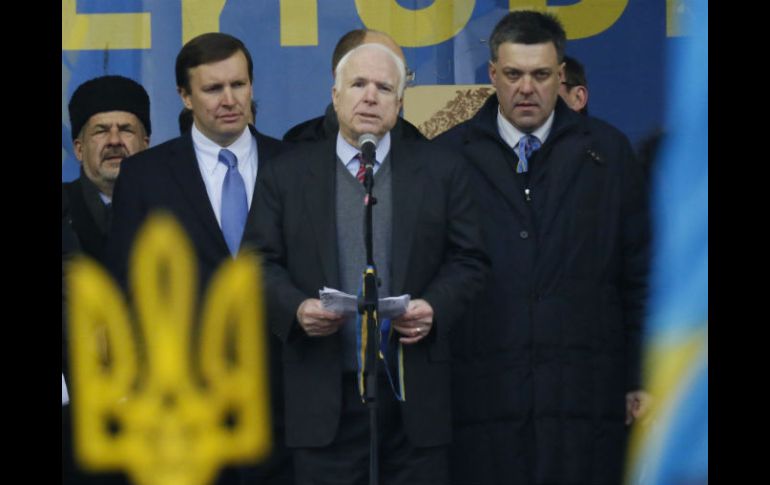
<point x="205" y="179"/>
<point x="546" y="371"/>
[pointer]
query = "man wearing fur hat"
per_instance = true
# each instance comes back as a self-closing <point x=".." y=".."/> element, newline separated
<point x="110" y="120"/>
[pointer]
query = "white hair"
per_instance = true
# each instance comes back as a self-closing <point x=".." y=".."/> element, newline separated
<point x="400" y="66"/>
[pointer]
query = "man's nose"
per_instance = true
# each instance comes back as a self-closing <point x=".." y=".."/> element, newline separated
<point x="370" y="93"/>
<point x="228" y="98"/>
<point x="114" y="136"/>
<point x="527" y="85"/>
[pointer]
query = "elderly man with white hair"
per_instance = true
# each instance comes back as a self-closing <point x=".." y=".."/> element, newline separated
<point x="309" y="228"/>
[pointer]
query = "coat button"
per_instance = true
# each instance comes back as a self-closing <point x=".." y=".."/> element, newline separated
<point x="524" y="234"/>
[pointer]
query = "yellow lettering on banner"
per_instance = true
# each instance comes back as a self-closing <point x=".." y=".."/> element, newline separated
<point x="97" y="31"/>
<point x="584" y="19"/>
<point x="431" y="25"/>
<point x="299" y="22"/>
<point x="199" y="17"/>
<point x="676" y="11"/>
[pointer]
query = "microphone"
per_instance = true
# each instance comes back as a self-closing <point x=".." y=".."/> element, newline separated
<point x="367" y="143"/>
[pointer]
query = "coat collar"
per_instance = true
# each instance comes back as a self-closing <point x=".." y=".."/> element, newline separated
<point x="494" y="164"/>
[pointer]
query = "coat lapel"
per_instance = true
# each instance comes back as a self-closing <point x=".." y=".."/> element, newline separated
<point x="319" y="190"/>
<point x="184" y="168"/>
<point x="498" y="170"/>
<point x="563" y="164"/>
<point x="267" y="149"/>
<point x="408" y="190"/>
<point x="494" y="160"/>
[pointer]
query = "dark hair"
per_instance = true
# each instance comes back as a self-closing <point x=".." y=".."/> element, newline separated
<point x="347" y="43"/>
<point x="574" y="72"/>
<point x="185" y="119"/>
<point x="575" y="75"/>
<point x="528" y="27"/>
<point x="205" y="49"/>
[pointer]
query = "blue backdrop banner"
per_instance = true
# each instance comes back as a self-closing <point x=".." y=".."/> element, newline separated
<point x="621" y="43"/>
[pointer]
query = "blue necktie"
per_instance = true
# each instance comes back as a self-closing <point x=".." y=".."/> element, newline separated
<point x="527" y="145"/>
<point x="235" y="207"/>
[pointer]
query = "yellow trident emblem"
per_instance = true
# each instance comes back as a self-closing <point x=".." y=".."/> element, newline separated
<point x="151" y="415"/>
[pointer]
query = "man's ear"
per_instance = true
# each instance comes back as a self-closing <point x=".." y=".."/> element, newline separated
<point x="77" y="145"/>
<point x="492" y="70"/>
<point x="185" y="97"/>
<point x="581" y="97"/>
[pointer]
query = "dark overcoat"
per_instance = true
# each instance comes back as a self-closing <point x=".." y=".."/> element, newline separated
<point x="544" y="359"/>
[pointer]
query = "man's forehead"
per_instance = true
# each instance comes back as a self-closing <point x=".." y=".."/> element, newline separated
<point x="111" y="117"/>
<point x="234" y="65"/>
<point x="371" y="64"/>
<point x="517" y="53"/>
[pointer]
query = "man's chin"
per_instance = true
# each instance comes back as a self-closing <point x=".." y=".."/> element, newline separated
<point x="111" y="165"/>
<point x="110" y="176"/>
<point x="378" y="129"/>
<point x="527" y="123"/>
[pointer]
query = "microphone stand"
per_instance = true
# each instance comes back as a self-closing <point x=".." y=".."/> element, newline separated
<point x="368" y="307"/>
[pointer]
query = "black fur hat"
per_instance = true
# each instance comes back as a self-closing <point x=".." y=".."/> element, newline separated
<point x="108" y="93"/>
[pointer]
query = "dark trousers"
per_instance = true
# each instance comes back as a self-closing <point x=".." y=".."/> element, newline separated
<point x="346" y="460"/>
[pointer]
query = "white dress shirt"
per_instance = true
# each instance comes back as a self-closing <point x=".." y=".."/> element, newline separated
<point x="347" y="153"/>
<point x="213" y="171"/>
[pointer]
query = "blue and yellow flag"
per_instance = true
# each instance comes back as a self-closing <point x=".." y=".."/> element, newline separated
<point x="671" y="445"/>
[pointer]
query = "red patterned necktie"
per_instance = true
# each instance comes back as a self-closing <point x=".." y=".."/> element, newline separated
<point x="361" y="169"/>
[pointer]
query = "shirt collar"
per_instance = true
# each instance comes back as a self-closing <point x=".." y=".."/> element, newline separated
<point x="241" y="147"/>
<point x="347" y="152"/>
<point x="511" y="135"/>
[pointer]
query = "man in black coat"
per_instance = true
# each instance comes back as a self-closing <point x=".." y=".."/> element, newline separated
<point x="326" y="127"/>
<point x="546" y="372"/>
<point x="110" y="120"/>
<point x="192" y="177"/>
<point x="309" y="213"/>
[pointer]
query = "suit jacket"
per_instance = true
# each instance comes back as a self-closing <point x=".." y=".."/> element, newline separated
<point x="436" y="254"/>
<point x="168" y="177"/>
<point x="87" y="214"/>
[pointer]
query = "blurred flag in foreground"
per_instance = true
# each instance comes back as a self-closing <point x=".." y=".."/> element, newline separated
<point x="670" y="446"/>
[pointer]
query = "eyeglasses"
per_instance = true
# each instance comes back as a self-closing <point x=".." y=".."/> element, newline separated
<point x="569" y="85"/>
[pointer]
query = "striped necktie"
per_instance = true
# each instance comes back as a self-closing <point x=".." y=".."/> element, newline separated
<point x="361" y="168"/>
<point x="527" y="145"/>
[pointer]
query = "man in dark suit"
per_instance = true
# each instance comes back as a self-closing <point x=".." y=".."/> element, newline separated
<point x="206" y="180"/>
<point x="547" y="368"/>
<point x="110" y="120"/>
<point x="326" y="127"/>
<point x="309" y="228"/>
